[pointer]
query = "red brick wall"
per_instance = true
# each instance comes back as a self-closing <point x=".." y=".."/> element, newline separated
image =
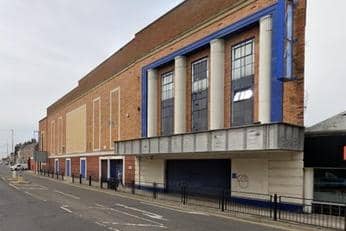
<point x="129" y="170"/>
<point x="75" y="170"/>
<point x="62" y="166"/>
<point x="93" y="167"/>
<point x="293" y="97"/>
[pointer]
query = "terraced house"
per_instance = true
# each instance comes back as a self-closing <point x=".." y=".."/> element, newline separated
<point x="210" y="95"/>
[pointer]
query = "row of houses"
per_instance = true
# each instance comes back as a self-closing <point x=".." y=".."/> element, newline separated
<point x="208" y="95"/>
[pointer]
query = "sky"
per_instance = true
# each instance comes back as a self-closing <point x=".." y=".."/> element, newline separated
<point x="47" y="46"/>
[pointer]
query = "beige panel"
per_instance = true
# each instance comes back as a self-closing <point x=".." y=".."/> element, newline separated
<point x="252" y="175"/>
<point x="151" y="171"/>
<point x="114" y="115"/>
<point x="59" y="135"/>
<point x="76" y="130"/>
<point x="52" y="137"/>
<point x="96" y="124"/>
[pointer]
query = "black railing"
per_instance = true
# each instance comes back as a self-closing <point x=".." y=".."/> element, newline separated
<point x="307" y="211"/>
<point x="276" y="207"/>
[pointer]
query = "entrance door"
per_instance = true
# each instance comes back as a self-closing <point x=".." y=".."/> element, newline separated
<point x="119" y="170"/>
<point x="83" y="167"/>
<point x="112" y="172"/>
<point x="104" y="170"/>
<point x="116" y="169"/>
<point x="67" y="167"/>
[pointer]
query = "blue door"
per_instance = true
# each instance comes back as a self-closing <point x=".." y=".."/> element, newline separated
<point x="112" y="172"/>
<point x="67" y="167"/>
<point x="82" y="168"/>
<point x="119" y="170"/>
<point x="116" y="169"/>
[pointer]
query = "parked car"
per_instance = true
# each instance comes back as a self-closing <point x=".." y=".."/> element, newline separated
<point x="17" y="167"/>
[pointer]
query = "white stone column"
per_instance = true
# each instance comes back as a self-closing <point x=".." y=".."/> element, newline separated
<point x="180" y="95"/>
<point x="264" y="81"/>
<point x="308" y="188"/>
<point x="217" y="77"/>
<point x="152" y="103"/>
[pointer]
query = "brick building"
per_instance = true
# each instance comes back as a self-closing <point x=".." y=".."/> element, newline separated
<point x="210" y="95"/>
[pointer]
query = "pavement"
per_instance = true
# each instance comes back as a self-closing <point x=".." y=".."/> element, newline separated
<point x="40" y="203"/>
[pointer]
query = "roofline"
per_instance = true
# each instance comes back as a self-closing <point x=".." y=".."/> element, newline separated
<point x="325" y="133"/>
<point x="44" y="118"/>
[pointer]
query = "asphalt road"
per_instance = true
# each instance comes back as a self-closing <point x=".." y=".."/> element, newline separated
<point x="44" y="204"/>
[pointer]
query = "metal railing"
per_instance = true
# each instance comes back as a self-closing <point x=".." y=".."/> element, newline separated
<point x="276" y="207"/>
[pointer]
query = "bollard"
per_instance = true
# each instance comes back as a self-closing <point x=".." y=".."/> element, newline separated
<point x="275" y="206"/>
<point x="183" y="194"/>
<point x="154" y="190"/>
<point x="48" y="173"/>
<point x="57" y="176"/>
<point x="80" y="178"/>
<point x="101" y="182"/>
<point x="62" y="176"/>
<point x="133" y="187"/>
<point x="223" y="201"/>
<point x="72" y="178"/>
<point x="52" y="174"/>
<point x="89" y="180"/>
<point x="345" y="218"/>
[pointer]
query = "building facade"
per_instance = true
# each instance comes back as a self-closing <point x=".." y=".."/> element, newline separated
<point x="325" y="158"/>
<point x="208" y="95"/>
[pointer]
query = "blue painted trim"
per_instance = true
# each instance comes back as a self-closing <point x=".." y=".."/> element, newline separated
<point x="289" y="207"/>
<point x="278" y="49"/>
<point x="144" y="107"/>
<point x="259" y="203"/>
<point x="278" y="12"/>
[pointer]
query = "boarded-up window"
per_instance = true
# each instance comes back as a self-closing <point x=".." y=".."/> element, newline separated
<point x="60" y="135"/>
<point x="97" y="124"/>
<point x="52" y="137"/>
<point x="114" y="116"/>
<point x="76" y="130"/>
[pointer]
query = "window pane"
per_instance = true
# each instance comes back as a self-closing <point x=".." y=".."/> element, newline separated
<point x="200" y="95"/>
<point x="167" y="86"/>
<point x="243" y="60"/>
<point x="248" y="49"/>
<point x="243" y="95"/>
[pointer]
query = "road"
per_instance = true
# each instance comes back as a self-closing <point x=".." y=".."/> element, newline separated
<point x="45" y="204"/>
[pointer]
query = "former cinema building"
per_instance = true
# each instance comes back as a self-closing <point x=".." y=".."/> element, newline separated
<point x="210" y="95"/>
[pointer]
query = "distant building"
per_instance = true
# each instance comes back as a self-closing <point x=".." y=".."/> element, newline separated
<point x="325" y="156"/>
<point x="25" y="152"/>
